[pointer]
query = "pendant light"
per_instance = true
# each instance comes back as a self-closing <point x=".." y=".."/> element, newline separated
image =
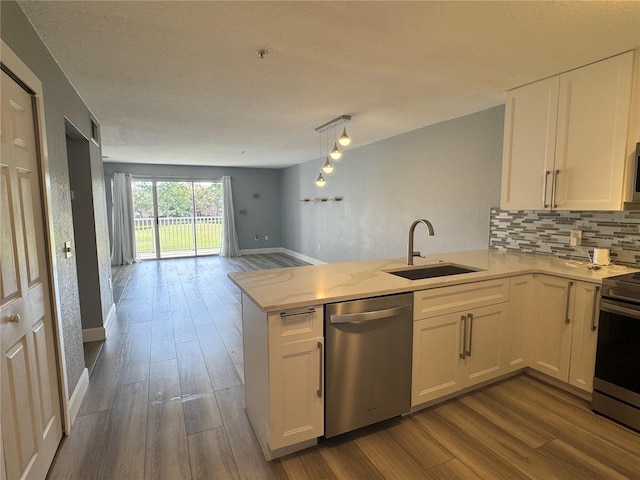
<point x="335" y="153"/>
<point x="327" y="167"/>
<point x="344" y="139"/>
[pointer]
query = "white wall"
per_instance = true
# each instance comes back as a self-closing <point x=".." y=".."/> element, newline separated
<point x="448" y="173"/>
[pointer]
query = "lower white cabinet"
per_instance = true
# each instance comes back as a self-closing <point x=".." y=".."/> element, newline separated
<point x="461" y="338"/>
<point x="284" y="377"/>
<point x="519" y="320"/>
<point x="459" y="349"/>
<point x="437" y="346"/>
<point x="564" y="330"/>
<point x="552" y="327"/>
<point x="296" y="398"/>
<point x="586" y="311"/>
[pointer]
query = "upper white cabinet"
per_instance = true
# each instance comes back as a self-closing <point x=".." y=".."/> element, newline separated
<point x="565" y="139"/>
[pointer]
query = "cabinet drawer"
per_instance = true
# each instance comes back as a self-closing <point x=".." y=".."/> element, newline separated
<point x="440" y="301"/>
<point x="295" y="324"/>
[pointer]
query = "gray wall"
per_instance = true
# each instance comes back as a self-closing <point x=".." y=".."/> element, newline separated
<point x="448" y="173"/>
<point x="60" y="101"/>
<point x="95" y="301"/>
<point x="263" y="215"/>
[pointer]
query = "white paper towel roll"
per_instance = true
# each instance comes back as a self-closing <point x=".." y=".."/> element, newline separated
<point x="601" y="256"/>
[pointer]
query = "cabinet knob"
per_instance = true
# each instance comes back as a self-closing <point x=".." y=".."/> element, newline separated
<point x="14" y="318"/>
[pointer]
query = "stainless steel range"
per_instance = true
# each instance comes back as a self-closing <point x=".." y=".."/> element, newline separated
<point x="616" y="385"/>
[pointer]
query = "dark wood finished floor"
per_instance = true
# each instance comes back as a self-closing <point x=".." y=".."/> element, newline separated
<point x="166" y="400"/>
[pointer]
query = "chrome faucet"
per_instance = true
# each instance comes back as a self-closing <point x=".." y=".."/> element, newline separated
<point x="410" y="252"/>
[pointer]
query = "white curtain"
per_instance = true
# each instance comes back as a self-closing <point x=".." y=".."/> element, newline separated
<point x="123" y="251"/>
<point x="229" y="236"/>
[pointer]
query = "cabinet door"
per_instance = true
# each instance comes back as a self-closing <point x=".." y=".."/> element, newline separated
<point x="519" y="319"/>
<point x="552" y="329"/>
<point x="585" y="335"/>
<point x="296" y="392"/>
<point x="593" y="121"/>
<point x="485" y="343"/>
<point x="437" y="345"/>
<point x="528" y="149"/>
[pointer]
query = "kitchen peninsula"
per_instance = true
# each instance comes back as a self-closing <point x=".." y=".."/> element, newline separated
<point x="524" y="308"/>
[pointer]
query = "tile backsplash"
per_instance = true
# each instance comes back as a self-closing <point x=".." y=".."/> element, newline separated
<point x="548" y="232"/>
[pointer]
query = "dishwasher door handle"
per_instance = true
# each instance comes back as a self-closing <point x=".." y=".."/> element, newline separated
<point x="369" y="316"/>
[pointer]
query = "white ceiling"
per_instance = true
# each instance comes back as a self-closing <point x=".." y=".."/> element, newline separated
<point x="180" y="82"/>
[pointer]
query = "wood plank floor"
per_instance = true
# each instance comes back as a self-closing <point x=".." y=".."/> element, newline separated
<point x="166" y="400"/>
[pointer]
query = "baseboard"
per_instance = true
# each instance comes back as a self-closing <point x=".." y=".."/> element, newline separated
<point x="254" y="251"/>
<point x="78" y="395"/>
<point x="300" y="256"/>
<point x="558" y="384"/>
<point x="111" y="317"/>
<point x="93" y="334"/>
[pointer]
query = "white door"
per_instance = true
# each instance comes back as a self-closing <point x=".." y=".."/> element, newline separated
<point x="31" y="419"/>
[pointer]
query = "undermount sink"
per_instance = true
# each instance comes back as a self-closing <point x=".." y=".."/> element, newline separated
<point x="433" y="271"/>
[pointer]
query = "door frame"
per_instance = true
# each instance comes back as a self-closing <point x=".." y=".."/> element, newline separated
<point x="20" y="70"/>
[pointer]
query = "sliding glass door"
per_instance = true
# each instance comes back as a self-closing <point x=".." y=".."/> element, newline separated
<point x="177" y="218"/>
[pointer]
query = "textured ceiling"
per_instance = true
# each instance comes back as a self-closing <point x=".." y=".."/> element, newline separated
<point x="180" y="82"/>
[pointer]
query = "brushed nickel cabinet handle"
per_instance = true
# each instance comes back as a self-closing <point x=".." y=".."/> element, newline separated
<point x="308" y="311"/>
<point x="463" y="320"/>
<point x="470" y="317"/>
<point x="595" y="314"/>
<point x="554" y="188"/>
<point x="566" y="314"/>
<point x="544" y="189"/>
<point x="319" y="391"/>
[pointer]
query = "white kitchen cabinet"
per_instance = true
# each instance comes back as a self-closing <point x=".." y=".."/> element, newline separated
<point x="552" y="327"/>
<point x="531" y="114"/>
<point x="565" y="139"/>
<point x="296" y="398"/>
<point x="585" y="335"/>
<point x="564" y="333"/>
<point x="486" y="335"/>
<point x="437" y="345"/>
<point x="460" y="348"/>
<point x="284" y="378"/>
<point x="520" y="318"/>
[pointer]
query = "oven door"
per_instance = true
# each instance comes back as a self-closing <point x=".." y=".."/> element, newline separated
<point x="617" y="372"/>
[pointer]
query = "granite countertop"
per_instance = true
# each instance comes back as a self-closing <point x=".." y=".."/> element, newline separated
<point x="293" y="287"/>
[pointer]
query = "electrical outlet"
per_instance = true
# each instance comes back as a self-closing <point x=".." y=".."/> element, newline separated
<point x="575" y="239"/>
<point x="255" y="238"/>
<point x="266" y="237"/>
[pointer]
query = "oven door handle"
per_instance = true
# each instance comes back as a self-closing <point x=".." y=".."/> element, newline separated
<point x="608" y="306"/>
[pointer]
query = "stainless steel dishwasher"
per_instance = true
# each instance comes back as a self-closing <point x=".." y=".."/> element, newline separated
<point x="368" y="346"/>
